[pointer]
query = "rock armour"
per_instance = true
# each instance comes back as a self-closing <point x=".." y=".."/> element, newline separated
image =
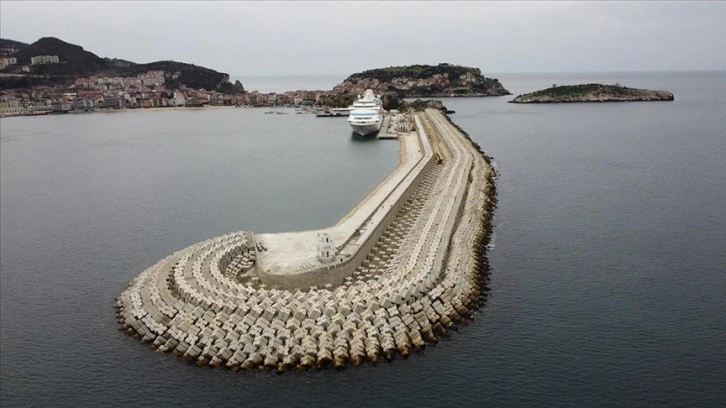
<point x="424" y="275"/>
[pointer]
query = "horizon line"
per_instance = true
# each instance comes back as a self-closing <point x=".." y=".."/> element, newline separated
<point x="502" y="72"/>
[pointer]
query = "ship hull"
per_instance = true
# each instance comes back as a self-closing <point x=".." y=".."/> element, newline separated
<point x="365" y="129"/>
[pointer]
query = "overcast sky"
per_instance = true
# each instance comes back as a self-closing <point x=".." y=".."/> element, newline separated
<point x="340" y="38"/>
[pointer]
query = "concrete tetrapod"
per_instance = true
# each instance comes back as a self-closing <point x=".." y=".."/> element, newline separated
<point x="420" y="269"/>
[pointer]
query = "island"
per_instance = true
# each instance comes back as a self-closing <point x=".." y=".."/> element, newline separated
<point x="414" y="81"/>
<point x="592" y="93"/>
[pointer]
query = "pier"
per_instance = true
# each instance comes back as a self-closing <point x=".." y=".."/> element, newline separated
<point x="401" y="268"/>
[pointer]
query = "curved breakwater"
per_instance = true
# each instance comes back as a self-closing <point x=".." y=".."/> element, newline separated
<point x="406" y="279"/>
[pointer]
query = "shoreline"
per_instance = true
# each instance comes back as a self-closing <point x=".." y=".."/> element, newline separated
<point x="154" y="109"/>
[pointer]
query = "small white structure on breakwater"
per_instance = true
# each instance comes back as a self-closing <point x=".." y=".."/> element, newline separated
<point x="326" y="250"/>
<point x="401" y="267"/>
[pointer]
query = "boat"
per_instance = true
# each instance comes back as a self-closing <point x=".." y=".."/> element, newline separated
<point x="366" y="114"/>
<point x="333" y="112"/>
<point x="340" y="111"/>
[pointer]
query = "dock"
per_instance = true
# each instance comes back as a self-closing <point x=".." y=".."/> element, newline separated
<point x="384" y="132"/>
<point x="394" y="125"/>
<point x="402" y="267"/>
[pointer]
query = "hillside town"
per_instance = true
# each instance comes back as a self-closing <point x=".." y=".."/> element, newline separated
<point x="146" y="90"/>
<point x="164" y="88"/>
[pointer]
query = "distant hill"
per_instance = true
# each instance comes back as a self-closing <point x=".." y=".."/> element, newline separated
<point x="8" y="47"/>
<point x="189" y="74"/>
<point x="75" y="62"/>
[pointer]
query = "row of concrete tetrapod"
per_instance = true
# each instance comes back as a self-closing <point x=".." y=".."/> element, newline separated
<point x="424" y="274"/>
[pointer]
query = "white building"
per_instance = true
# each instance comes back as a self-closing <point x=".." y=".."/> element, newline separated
<point x="326" y="251"/>
<point x="5" y="61"/>
<point x="13" y="111"/>
<point x="44" y="59"/>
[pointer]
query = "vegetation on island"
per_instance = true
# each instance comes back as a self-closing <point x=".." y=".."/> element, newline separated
<point x="592" y="93"/>
<point x="395" y="83"/>
<point x="421" y="81"/>
<point x="415" y="71"/>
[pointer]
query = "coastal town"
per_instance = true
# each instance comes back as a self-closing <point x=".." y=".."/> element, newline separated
<point x="150" y="90"/>
<point x="36" y="83"/>
<point x="146" y="90"/>
<point x="51" y="76"/>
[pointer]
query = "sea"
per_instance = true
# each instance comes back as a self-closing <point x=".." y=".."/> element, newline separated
<point x="607" y="280"/>
<point x="277" y="83"/>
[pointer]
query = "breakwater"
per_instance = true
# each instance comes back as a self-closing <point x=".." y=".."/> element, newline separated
<point x="402" y="268"/>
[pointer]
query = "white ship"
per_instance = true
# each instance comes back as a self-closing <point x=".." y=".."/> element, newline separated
<point x="366" y="114"/>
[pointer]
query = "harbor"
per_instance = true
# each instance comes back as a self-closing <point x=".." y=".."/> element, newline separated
<point x="575" y="280"/>
<point x="401" y="268"/>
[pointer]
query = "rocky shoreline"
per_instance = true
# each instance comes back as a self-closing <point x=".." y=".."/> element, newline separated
<point x="593" y="93"/>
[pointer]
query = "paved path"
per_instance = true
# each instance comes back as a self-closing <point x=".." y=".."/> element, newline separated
<point x="296" y="252"/>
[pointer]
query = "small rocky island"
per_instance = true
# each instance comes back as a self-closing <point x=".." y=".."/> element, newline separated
<point x="592" y="93"/>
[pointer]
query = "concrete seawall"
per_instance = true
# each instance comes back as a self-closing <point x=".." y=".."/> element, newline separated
<point x="357" y="232"/>
<point x="404" y="266"/>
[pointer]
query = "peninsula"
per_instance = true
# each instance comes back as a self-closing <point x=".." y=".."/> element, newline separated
<point x="415" y="81"/>
<point x="592" y="93"/>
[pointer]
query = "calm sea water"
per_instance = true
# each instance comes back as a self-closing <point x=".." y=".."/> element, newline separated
<point x="608" y="260"/>
<point x="272" y="83"/>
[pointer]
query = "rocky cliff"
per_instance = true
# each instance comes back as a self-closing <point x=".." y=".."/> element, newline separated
<point x="592" y="93"/>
